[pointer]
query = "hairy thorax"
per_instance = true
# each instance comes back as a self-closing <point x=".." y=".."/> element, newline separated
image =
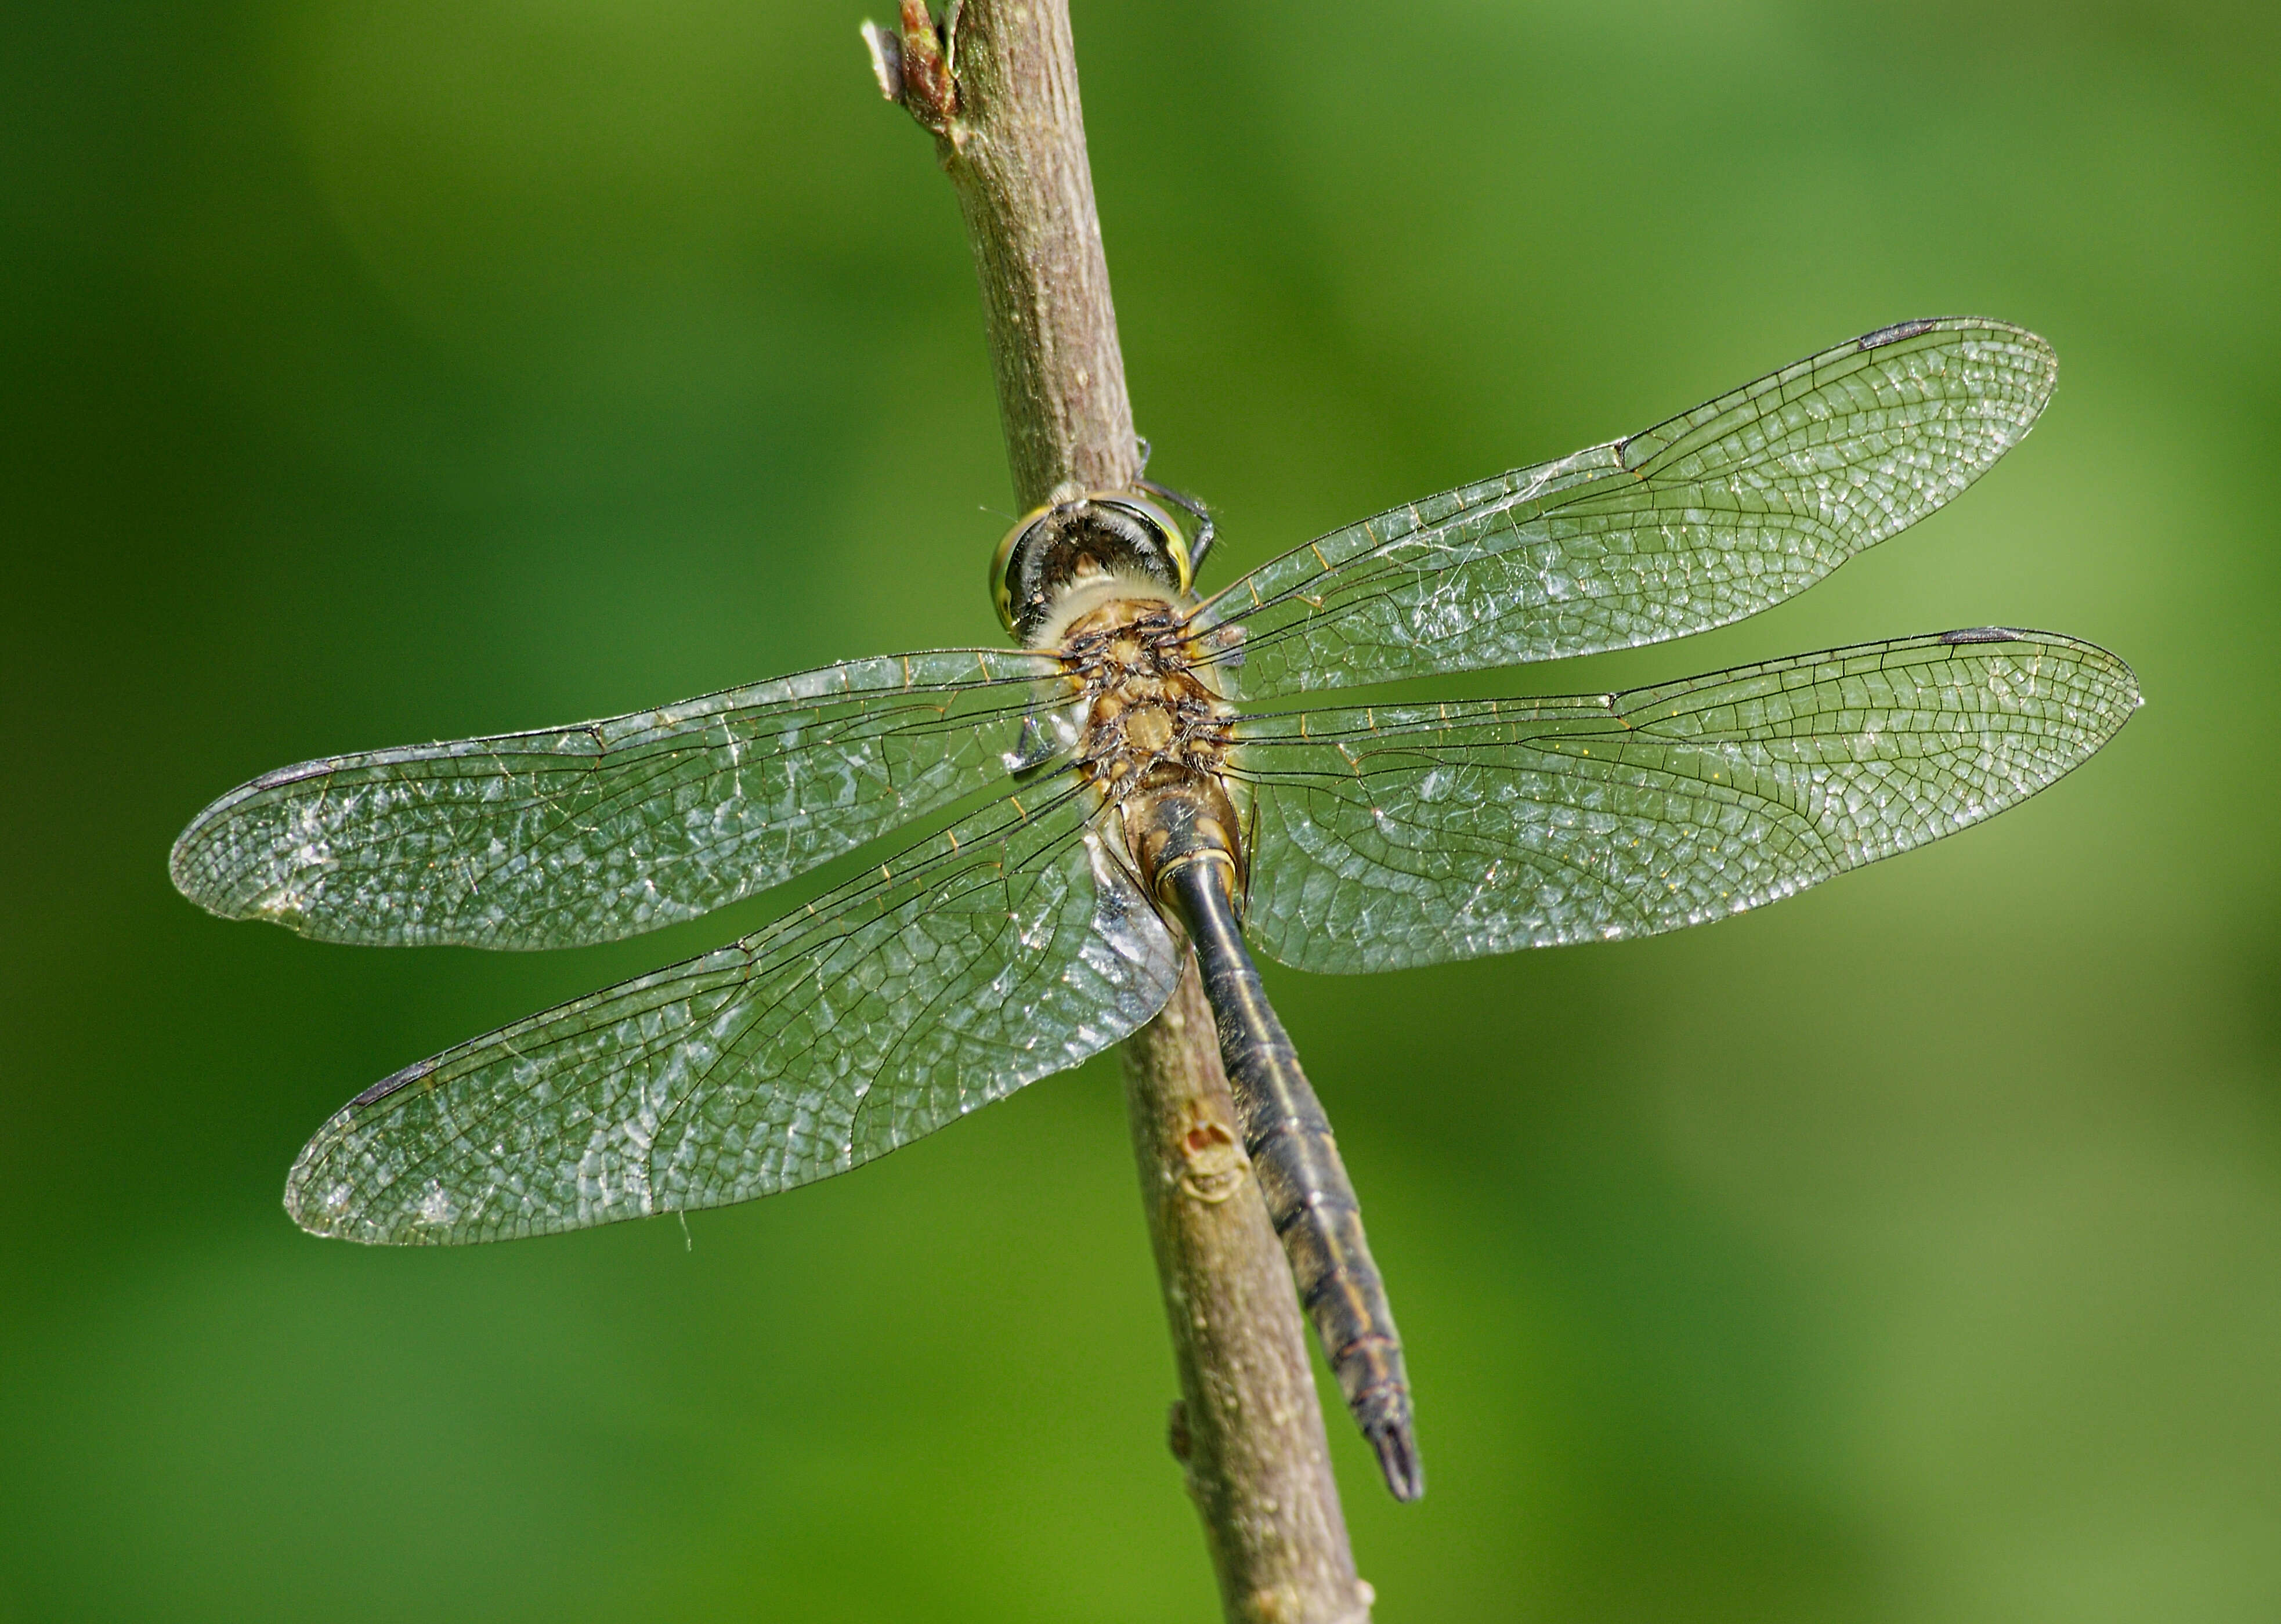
<point x="1155" y="736"/>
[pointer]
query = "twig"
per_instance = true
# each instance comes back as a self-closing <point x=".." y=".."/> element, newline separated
<point x="1248" y="1426"/>
<point x="996" y="84"/>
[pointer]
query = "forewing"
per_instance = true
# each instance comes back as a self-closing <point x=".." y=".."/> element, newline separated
<point x="588" y="833"/>
<point x="1389" y="837"/>
<point x="1010" y="948"/>
<point x="1700" y="521"/>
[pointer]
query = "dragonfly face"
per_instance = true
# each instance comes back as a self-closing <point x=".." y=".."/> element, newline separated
<point x="1069" y="556"/>
<point x="1082" y="802"/>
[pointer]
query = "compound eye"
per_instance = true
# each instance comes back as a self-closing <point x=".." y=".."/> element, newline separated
<point x="1171" y="539"/>
<point x="1001" y="566"/>
<point x="1176" y="546"/>
<point x="1049" y="547"/>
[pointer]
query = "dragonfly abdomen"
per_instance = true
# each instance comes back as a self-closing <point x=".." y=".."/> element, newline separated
<point x="1310" y="1199"/>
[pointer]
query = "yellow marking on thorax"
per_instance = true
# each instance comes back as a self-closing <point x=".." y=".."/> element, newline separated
<point x="1152" y="723"/>
<point x="1151" y="729"/>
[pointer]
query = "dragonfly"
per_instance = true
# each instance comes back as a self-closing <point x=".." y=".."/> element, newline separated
<point x="1138" y="777"/>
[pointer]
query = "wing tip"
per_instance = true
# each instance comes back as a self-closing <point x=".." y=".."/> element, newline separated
<point x="183" y="868"/>
<point x="325" y="1199"/>
<point x="319" y="1204"/>
<point x="2045" y="370"/>
<point x="191" y="862"/>
<point x="199" y="862"/>
<point x="2115" y="665"/>
<point x="333" y="1208"/>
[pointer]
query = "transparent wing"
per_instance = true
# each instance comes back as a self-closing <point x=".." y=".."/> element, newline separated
<point x="1391" y="837"/>
<point x="1700" y="521"/>
<point x="589" y="833"/>
<point x="1010" y="948"/>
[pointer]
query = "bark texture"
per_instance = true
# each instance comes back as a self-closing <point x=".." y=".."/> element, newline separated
<point x="995" y="83"/>
<point x="1247" y="1426"/>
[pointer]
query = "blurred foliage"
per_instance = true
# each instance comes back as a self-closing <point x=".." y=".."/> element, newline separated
<point x="398" y="369"/>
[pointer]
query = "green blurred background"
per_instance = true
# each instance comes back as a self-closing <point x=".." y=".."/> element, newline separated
<point x="379" y="370"/>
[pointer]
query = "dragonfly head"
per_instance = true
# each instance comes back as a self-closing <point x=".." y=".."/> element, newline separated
<point x="1096" y="538"/>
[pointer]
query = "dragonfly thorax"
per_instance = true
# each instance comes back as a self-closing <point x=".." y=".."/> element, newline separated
<point x="1156" y="734"/>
